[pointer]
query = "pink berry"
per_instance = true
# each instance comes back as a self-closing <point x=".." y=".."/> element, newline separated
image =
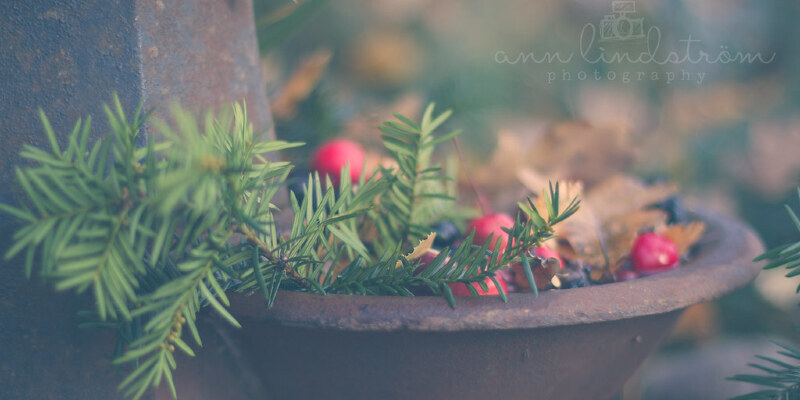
<point x="652" y="253"/>
<point x="460" y="289"/>
<point x="426" y="260"/>
<point x="332" y="156"/>
<point x="491" y="225"/>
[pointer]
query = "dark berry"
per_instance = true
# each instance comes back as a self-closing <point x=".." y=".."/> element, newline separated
<point x="446" y="234"/>
<point x="572" y="278"/>
<point x="673" y="207"/>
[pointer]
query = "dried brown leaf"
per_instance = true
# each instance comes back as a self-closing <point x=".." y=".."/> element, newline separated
<point x="684" y="235"/>
<point x="622" y="231"/>
<point x="612" y="214"/>
<point x="580" y="237"/>
<point x="532" y="180"/>
<point x="420" y="249"/>
<point x="580" y="234"/>
<point x="621" y="195"/>
<point x="578" y="150"/>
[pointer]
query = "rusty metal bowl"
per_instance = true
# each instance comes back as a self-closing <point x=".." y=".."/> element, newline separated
<point x="567" y="344"/>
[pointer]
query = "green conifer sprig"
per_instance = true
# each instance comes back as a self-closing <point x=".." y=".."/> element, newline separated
<point x="406" y="210"/>
<point x="157" y="232"/>
<point x="782" y="377"/>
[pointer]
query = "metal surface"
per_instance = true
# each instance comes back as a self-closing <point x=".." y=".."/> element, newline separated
<point x="569" y="344"/>
<point x="67" y="56"/>
<point x="588" y="361"/>
<point x="203" y="53"/>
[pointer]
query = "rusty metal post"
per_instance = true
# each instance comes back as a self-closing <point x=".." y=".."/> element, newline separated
<point x="67" y="56"/>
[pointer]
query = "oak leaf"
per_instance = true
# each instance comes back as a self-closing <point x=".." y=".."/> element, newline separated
<point x="683" y="235"/>
<point x="420" y="249"/>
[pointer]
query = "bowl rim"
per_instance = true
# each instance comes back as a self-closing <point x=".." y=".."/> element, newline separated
<point x="724" y="266"/>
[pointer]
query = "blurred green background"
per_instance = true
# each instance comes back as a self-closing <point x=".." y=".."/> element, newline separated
<point x="727" y="130"/>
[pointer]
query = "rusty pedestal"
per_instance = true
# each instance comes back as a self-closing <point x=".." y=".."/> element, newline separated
<point x="67" y="56"/>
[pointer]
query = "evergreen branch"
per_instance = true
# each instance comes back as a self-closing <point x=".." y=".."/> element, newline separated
<point x="417" y="187"/>
<point x="291" y="273"/>
<point x="172" y="306"/>
<point x="161" y="230"/>
<point x="783" y="378"/>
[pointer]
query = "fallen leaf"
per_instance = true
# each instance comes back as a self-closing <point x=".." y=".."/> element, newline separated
<point x="581" y="151"/>
<point x="620" y="195"/>
<point x="610" y="217"/>
<point x="580" y="234"/>
<point x="683" y="235"/>
<point x="621" y="232"/>
<point x="581" y="237"/>
<point x="420" y="249"/>
<point x="531" y="180"/>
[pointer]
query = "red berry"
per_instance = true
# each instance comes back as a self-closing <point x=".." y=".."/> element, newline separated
<point x="460" y="289"/>
<point x="426" y="260"/>
<point x="652" y="253"/>
<point x="491" y="224"/>
<point x="332" y="156"/>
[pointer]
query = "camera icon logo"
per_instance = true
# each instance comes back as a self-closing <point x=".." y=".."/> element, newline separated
<point x="620" y="25"/>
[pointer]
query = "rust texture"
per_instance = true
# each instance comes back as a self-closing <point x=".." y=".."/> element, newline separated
<point x="67" y="56"/>
<point x="202" y="53"/>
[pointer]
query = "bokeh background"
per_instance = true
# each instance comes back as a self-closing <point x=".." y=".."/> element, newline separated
<point x="727" y="132"/>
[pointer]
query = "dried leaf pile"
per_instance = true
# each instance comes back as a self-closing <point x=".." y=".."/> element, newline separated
<point x="598" y="238"/>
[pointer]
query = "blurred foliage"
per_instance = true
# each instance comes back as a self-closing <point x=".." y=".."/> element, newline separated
<point x="730" y="141"/>
<point x="276" y="21"/>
